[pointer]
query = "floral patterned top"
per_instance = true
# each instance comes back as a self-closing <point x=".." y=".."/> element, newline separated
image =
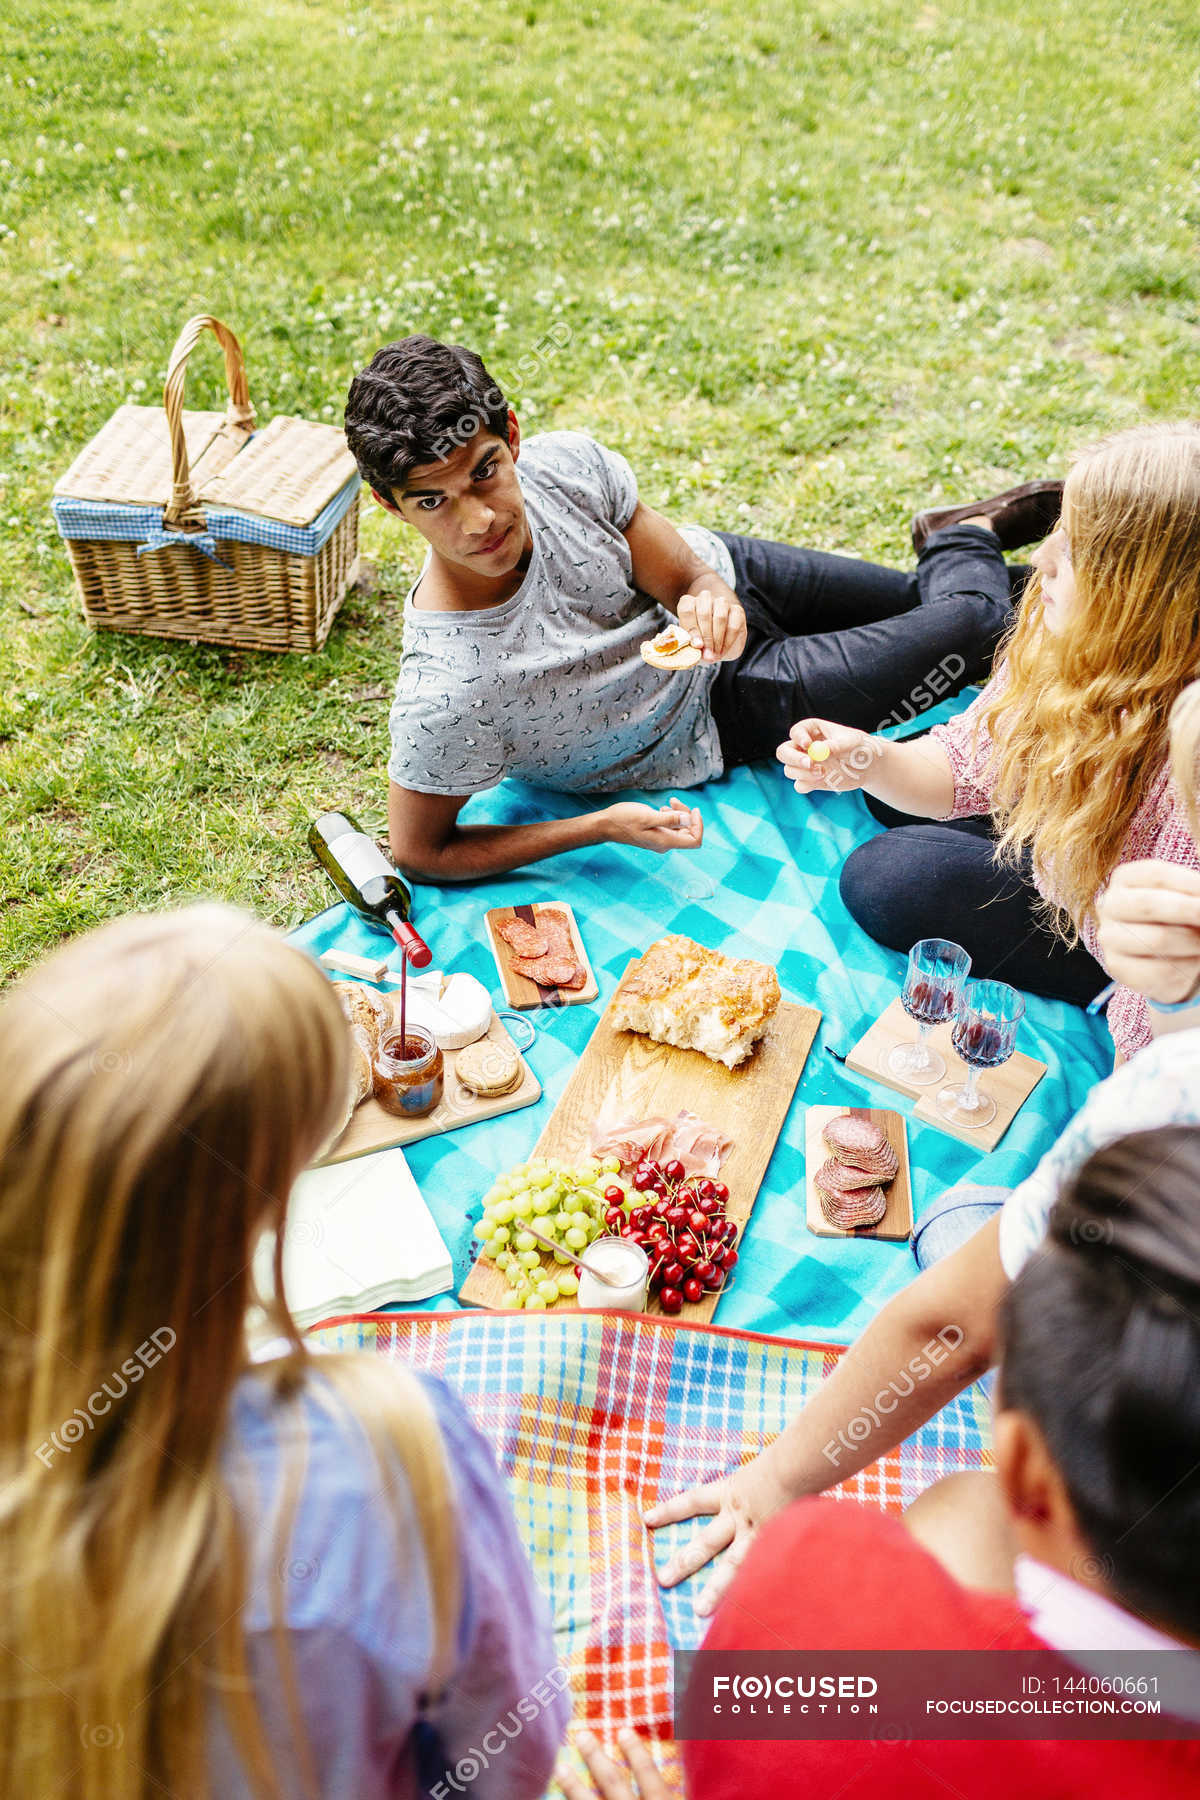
<point x="1160" y="1087"/>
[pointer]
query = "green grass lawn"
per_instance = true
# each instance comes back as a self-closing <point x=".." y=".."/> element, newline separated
<point x="810" y="266"/>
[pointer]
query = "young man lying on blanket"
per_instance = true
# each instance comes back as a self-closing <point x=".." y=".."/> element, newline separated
<point x="545" y="575"/>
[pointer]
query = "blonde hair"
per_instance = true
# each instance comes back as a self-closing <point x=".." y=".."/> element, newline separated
<point x="1080" y="727"/>
<point x="162" y="1082"/>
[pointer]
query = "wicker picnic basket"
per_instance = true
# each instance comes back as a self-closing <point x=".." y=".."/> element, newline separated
<point x="194" y="525"/>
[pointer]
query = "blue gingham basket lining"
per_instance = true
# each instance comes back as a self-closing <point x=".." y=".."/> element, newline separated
<point x="136" y="524"/>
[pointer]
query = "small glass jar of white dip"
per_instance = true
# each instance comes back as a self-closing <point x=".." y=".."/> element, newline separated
<point x="628" y="1264"/>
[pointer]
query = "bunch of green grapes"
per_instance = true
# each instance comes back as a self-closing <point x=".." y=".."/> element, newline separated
<point x="566" y="1204"/>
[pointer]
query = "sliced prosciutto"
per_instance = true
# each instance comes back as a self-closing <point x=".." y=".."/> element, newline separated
<point x="685" y="1139"/>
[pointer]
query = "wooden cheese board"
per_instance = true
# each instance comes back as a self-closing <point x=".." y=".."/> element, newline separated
<point x="624" y="1076"/>
<point x="1010" y="1085"/>
<point x="897" y="1222"/>
<point x="371" y="1128"/>
<point x="519" y="991"/>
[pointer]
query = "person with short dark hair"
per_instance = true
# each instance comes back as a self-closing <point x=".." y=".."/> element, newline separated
<point x="545" y="575"/>
<point x="1084" y="1543"/>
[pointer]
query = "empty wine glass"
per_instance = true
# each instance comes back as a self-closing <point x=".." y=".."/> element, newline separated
<point x="984" y="1035"/>
<point x="932" y="984"/>
<point x="694" y="884"/>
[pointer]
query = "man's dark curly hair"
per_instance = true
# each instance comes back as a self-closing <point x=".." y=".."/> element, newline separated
<point x="416" y="402"/>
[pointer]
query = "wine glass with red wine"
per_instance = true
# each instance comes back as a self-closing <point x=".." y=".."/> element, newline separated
<point x="932" y="985"/>
<point x="984" y="1035"/>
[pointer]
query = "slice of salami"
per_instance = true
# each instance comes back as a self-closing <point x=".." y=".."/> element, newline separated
<point x="550" y="971"/>
<point x="866" y="1206"/>
<point x="850" y="1134"/>
<point x="882" y="1167"/>
<point x="525" y="939"/>
<point x="556" y="929"/>
<point x="839" y="1178"/>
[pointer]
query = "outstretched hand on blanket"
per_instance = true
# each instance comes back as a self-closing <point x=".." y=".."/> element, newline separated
<point x="612" y="1781"/>
<point x="739" y="1502"/>
<point x="673" y="827"/>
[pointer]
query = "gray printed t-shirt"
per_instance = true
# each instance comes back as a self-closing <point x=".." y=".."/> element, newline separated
<point x="550" y="686"/>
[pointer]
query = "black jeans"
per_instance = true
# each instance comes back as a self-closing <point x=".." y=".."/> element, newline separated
<point x="924" y="879"/>
<point x="836" y="638"/>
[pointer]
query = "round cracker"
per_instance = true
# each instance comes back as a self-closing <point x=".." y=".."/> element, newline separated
<point x="488" y="1068"/>
<point x="687" y="658"/>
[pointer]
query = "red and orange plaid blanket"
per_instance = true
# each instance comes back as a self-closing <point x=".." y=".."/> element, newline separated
<point x="595" y="1416"/>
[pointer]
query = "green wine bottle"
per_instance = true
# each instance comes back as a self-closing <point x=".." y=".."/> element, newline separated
<point x="366" y="881"/>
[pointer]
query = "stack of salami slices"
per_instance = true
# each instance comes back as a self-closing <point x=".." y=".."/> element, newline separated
<point x="850" y="1185"/>
<point x="545" y="952"/>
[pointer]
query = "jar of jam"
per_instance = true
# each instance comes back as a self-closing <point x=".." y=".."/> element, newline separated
<point x="409" y="1074"/>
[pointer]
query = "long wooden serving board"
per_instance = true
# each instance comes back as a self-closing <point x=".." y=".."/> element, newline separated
<point x="371" y="1128"/>
<point x="519" y="991"/>
<point x="624" y="1076"/>
<point x="897" y="1222"/>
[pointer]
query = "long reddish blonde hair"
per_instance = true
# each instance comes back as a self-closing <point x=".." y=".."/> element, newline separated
<point x="1080" y="726"/>
<point x="162" y="1082"/>
<point x="1184" y="731"/>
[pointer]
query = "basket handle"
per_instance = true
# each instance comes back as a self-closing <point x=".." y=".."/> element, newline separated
<point x="182" y="509"/>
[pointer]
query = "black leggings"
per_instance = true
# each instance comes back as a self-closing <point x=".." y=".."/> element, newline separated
<point x="837" y="638"/>
<point x="924" y="879"/>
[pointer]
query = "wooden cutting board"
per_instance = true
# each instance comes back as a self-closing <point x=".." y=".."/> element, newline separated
<point x="371" y="1128"/>
<point x="628" y="1077"/>
<point x="519" y="991"/>
<point x="1010" y="1085"/>
<point x="897" y="1222"/>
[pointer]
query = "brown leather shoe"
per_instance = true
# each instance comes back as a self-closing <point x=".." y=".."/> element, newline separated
<point x="1023" y="515"/>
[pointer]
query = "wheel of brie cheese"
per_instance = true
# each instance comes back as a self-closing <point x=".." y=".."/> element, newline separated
<point x="457" y="1016"/>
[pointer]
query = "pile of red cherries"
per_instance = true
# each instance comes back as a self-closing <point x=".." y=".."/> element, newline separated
<point x="679" y="1221"/>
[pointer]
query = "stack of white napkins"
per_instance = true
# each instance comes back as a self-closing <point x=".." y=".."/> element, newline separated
<point x="359" y="1236"/>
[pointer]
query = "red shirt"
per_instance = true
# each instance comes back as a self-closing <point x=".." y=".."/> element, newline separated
<point x="830" y="1575"/>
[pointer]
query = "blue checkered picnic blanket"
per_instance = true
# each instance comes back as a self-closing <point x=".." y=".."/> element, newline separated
<point x="764" y="884"/>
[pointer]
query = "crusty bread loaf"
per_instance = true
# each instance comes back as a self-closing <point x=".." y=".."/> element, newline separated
<point x="680" y="993"/>
<point x="368" y="1014"/>
<point x="365" y="1009"/>
<point x="362" y="1073"/>
<point x="361" y="1084"/>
